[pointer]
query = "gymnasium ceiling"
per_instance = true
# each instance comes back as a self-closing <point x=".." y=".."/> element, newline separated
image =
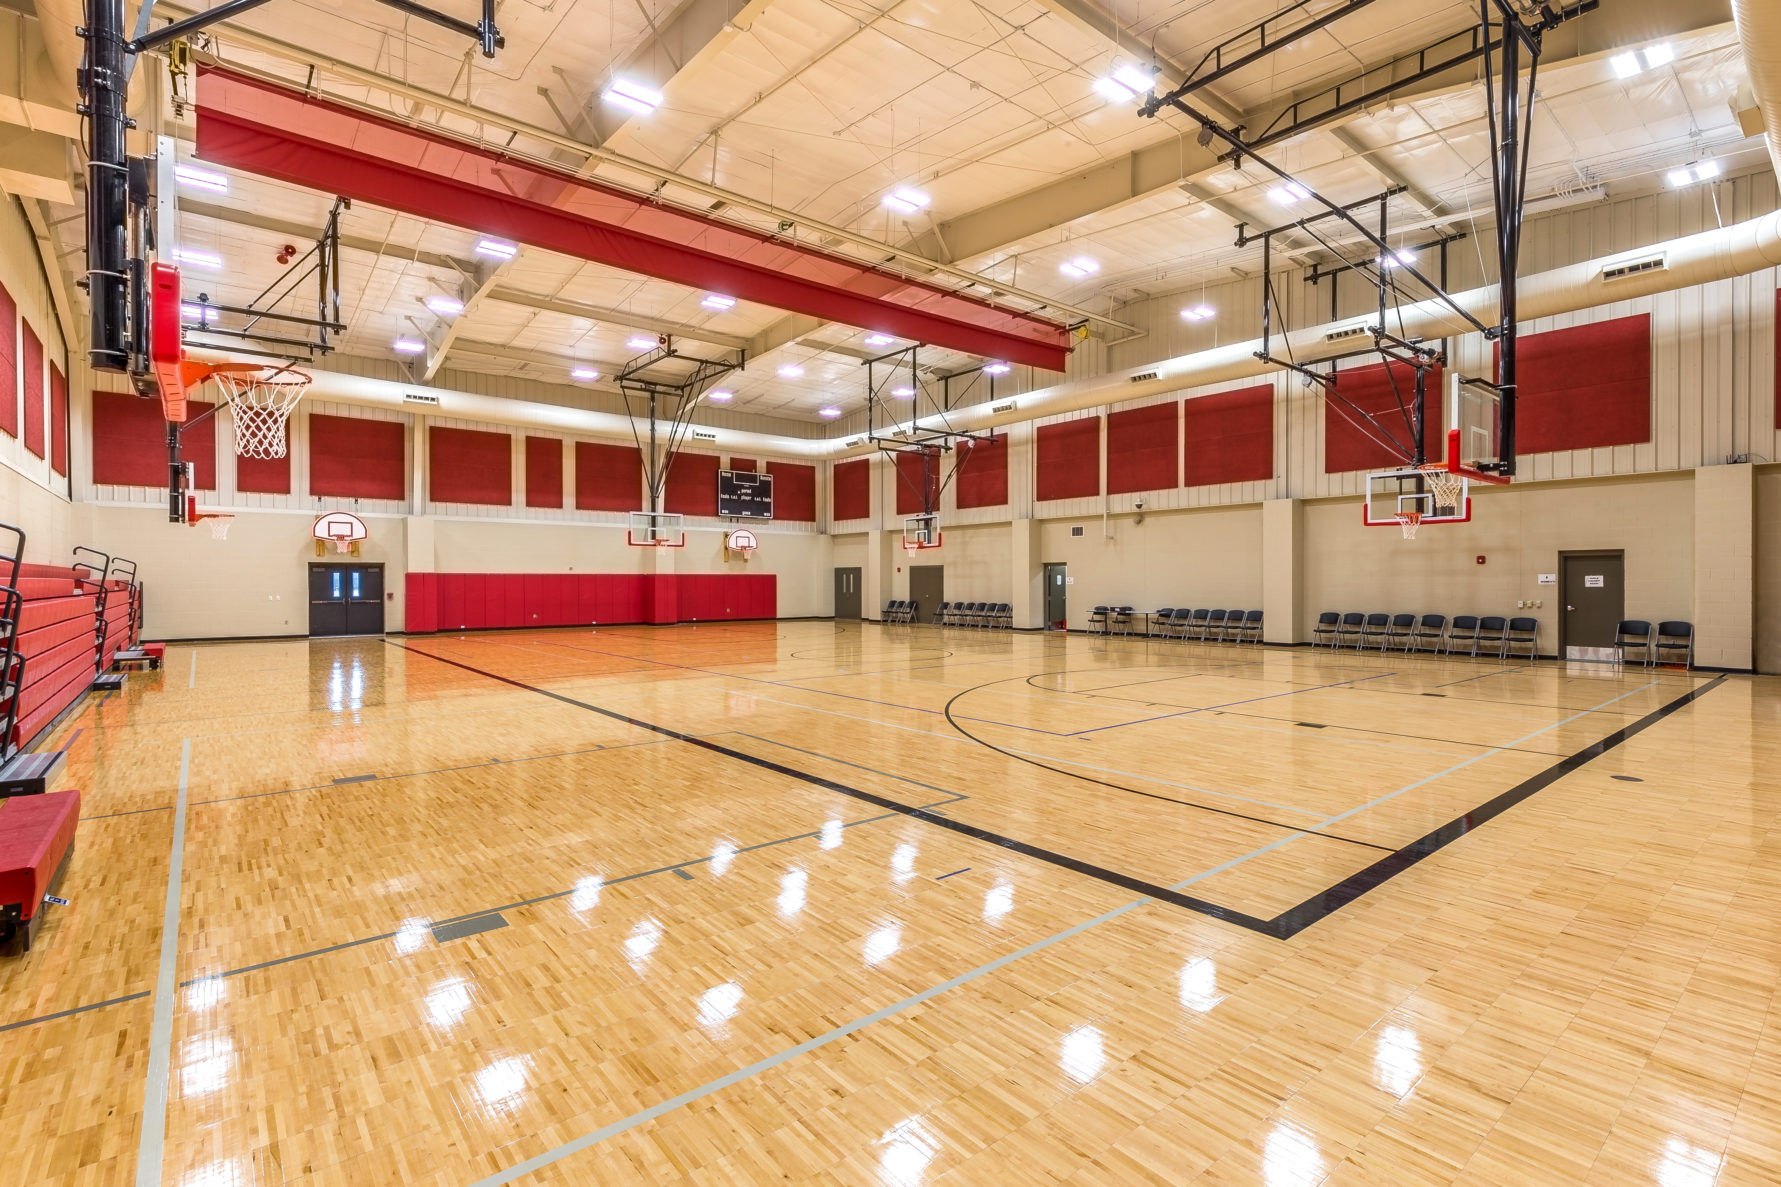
<point x="812" y="110"/>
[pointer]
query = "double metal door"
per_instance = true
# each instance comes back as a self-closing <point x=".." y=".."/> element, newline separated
<point x="345" y="600"/>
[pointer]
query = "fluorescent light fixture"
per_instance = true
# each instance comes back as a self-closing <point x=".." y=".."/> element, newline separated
<point x="1625" y="65"/>
<point x="408" y="346"/>
<point x="996" y="368"/>
<point x="1706" y="170"/>
<point x="1289" y="192"/>
<point x="720" y="396"/>
<point x="1636" y="61"/>
<point x="640" y="342"/>
<point x="879" y="340"/>
<point x="1114" y="91"/>
<point x="494" y="249"/>
<point x="790" y="371"/>
<point x="205" y="314"/>
<point x="903" y="393"/>
<point x="196" y="258"/>
<point x="632" y="96"/>
<point x="1661" y="54"/>
<point x="1680" y="177"/>
<point x="204" y="179"/>
<point x="585" y="374"/>
<point x="906" y="200"/>
<point x="444" y="306"/>
<point x="1398" y="258"/>
<point x="718" y="302"/>
<point x="1198" y="313"/>
<point x="1080" y="266"/>
<point x="828" y="413"/>
<point x="1134" y="78"/>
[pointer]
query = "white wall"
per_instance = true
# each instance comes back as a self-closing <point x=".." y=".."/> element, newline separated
<point x="32" y="496"/>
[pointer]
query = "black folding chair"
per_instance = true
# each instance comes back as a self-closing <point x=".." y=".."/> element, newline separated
<point x="1492" y="629"/>
<point x="1634" y="632"/>
<point x="1252" y="627"/>
<point x="1398" y="631"/>
<point x="1675" y="636"/>
<point x="1327" y="628"/>
<point x="1233" y="627"/>
<point x="1159" y="622"/>
<point x="1196" y="624"/>
<point x="1463" y="631"/>
<point x="1099" y="617"/>
<point x="1522" y="632"/>
<point x="1432" y="629"/>
<point x="1375" y="626"/>
<point x="1351" y="624"/>
<point x="1214" y="626"/>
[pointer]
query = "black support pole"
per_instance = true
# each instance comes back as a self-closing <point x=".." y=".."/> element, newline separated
<point x="102" y="83"/>
<point x="1508" y="171"/>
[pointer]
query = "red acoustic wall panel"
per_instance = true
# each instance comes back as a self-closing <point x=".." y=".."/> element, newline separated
<point x="1069" y="462"/>
<point x="1584" y="387"/>
<point x="544" y="472"/>
<point x="608" y="477"/>
<point x="58" y="420"/>
<point x="1141" y="449"/>
<point x="266" y="475"/>
<point x="852" y="493"/>
<point x="744" y="463"/>
<point x="469" y="466"/>
<point x="31" y="386"/>
<point x="691" y="488"/>
<point x="1350" y="442"/>
<point x="794" y="491"/>
<point x="357" y="458"/>
<point x="130" y="442"/>
<point x="1228" y="437"/>
<point x="1777" y="358"/>
<point x="918" y="481"/>
<point x="9" y="364"/>
<point x="982" y="477"/>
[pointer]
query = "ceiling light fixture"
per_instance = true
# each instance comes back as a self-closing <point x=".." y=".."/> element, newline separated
<point x="1198" y="313"/>
<point x="632" y="96"/>
<point x="1398" y="258"/>
<point x="1080" y="266"/>
<point x="1288" y="193"/>
<point x="906" y="200"/>
<point x="828" y="413"/>
<point x="494" y="249"/>
<point x="790" y="371"/>
<point x="1638" y="61"/>
<point x="585" y="374"/>
<point x="903" y="393"/>
<point x="408" y="346"/>
<point x="206" y="314"/>
<point x="444" y="306"/>
<point x="204" y="179"/>
<point x="1134" y="78"/>
<point x="720" y="396"/>
<point x="640" y="342"/>
<point x="1692" y="172"/>
<point x="1114" y="91"/>
<point x="718" y="302"/>
<point x="196" y="258"/>
<point x="996" y="368"/>
<point x="879" y="340"/>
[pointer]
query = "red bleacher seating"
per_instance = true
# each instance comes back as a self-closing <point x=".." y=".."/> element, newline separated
<point x="36" y="841"/>
<point x="58" y="637"/>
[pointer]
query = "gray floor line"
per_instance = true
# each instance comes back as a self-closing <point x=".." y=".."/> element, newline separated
<point x="152" y="1148"/>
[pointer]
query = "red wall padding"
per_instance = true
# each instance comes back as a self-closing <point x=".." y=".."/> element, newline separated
<point x="354" y="458"/>
<point x="608" y="477"/>
<point x="1584" y="387"/>
<point x="794" y="491"/>
<point x="748" y="464"/>
<point x="544" y="472"/>
<point x="31" y="353"/>
<point x="1141" y="449"/>
<point x="1778" y="357"/>
<point x="484" y="601"/>
<point x="982" y="478"/>
<point x="1346" y="447"/>
<point x="130" y="442"/>
<point x="9" y="364"/>
<point x="1069" y="465"/>
<point x="1228" y="437"/>
<point x="852" y="493"/>
<point x="58" y="420"/>
<point x="266" y="475"/>
<point x="918" y="481"/>
<point x="469" y="466"/>
<point x="691" y="488"/>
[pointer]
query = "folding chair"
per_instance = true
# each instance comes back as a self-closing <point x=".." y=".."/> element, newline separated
<point x="1630" y="633"/>
<point x="1674" y="636"/>
<point x="1464" y="630"/>
<point x="1492" y="629"/>
<point x="1159" y="622"/>
<point x="1328" y="625"/>
<point x="1179" y="622"/>
<point x="1375" y="626"/>
<point x="1233" y="627"/>
<point x="1399" y="630"/>
<point x="1431" y="628"/>
<point x="1100" y="617"/>
<point x="1522" y="630"/>
<point x="1196" y="625"/>
<point x="1004" y="616"/>
<point x="1252" y="627"/>
<point x="1350" y="625"/>
<point x="1121" y="620"/>
<point x="1214" y="626"/>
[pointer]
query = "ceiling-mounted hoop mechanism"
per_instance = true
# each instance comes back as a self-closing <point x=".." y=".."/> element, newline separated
<point x="205" y="320"/>
<point x="485" y="32"/>
<point x="906" y="427"/>
<point x="662" y="389"/>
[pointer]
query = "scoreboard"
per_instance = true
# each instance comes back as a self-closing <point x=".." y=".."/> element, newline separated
<point x="744" y="494"/>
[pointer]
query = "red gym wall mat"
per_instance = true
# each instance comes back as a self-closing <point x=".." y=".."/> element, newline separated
<point x="9" y="364"/>
<point x="58" y="420"/>
<point x="744" y="463"/>
<point x="469" y="466"/>
<point x="1584" y="387"/>
<point x="357" y="458"/>
<point x="1228" y="437"/>
<point x="31" y="353"/>
<point x="1069" y="463"/>
<point x="608" y="477"/>
<point x="851" y="495"/>
<point x="982" y="479"/>
<point x="794" y="491"/>
<point x="1350" y="443"/>
<point x="544" y="472"/>
<point x="483" y="601"/>
<point x="918" y="481"/>
<point x="691" y="488"/>
<point x="130" y="442"/>
<point x="265" y="475"/>
<point x="1141" y="449"/>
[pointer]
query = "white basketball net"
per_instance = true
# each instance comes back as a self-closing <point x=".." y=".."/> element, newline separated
<point x="261" y="403"/>
<point x="1444" y="485"/>
<point x="1410" y="521"/>
<point x="219" y="526"/>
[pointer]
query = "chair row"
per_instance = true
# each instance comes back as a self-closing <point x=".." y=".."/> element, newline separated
<point x="1475" y="635"/>
<point x="1671" y="637"/>
<point x="1208" y="626"/>
<point x="983" y="615"/>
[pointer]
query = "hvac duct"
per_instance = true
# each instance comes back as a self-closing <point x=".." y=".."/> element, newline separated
<point x="1759" y="32"/>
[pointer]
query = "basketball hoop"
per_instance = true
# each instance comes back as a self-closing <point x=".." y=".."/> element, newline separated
<point x="742" y="542"/>
<point x="1444" y="484"/>
<point x="342" y="527"/>
<point x="261" y="401"/>
<point x="219" y="525"/>
<point x="1410" y="521"/>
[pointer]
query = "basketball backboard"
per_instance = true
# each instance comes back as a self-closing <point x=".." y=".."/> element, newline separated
<point x="1474" y="428"/>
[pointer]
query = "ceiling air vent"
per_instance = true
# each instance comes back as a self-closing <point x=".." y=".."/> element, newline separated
<point x="1004" y="406"/>
<point x="1346" y="333"/>
<point x="1654" y="263"/>
<point x="420" y="398"/>
<point x="704" y="435"/>
<point x="856" y="443"/>
<point x="1146" y="376"/>
<point x="1076" y="529"/>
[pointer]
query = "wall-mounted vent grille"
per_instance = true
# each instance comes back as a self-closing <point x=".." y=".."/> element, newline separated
<point x="1346" y="333"/>
<point x="704" y="435"/>
<point x="1076" y="529"/>
<point x="1146" y="376"/>
<point x="420" y="398"/>
<point x="1654" y="263"/>
<point x="1004" y="406"/>
<point x="856" y="443"/>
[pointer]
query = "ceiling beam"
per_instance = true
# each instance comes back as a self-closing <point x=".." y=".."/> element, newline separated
<point x="636" y="321"/>
<point x="669" y="59"/>
<point x="304" y="233"/>
<point x="472" y="290"/>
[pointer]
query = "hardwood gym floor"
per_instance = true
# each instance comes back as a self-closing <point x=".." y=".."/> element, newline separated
<point x="818" y="902"/>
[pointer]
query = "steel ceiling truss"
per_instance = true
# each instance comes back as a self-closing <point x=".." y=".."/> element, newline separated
<point x="894" y="433"/>
<point x="660" y="384"/>
<point x="321" y="262"/>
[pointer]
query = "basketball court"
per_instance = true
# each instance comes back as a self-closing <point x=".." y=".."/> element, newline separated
<point x="967" y="595"/>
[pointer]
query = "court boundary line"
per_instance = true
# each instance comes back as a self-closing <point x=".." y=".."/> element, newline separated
<point x="151" y="1149"/>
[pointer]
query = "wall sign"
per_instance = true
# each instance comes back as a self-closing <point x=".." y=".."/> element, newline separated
<point x="1592" y="581"/>
<point x="1549" y="579"/>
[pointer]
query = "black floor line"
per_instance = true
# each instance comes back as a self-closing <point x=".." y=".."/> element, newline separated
<point x="1062" y="861"/>
<point x="116" y="1001"/>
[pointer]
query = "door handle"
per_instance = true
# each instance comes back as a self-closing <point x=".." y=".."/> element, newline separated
<point x="1570" y="607"/>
